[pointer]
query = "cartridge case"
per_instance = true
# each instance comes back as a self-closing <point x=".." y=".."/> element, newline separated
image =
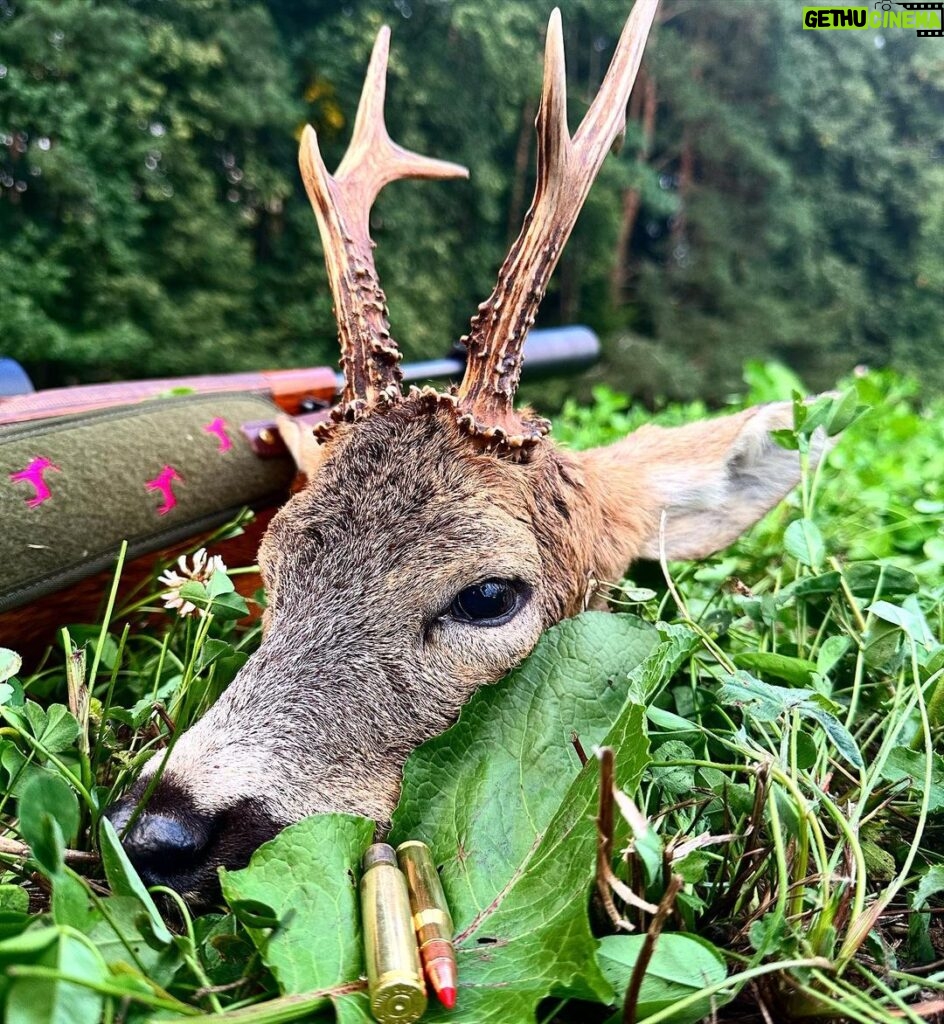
<point x="394" y="976"/>
<point x="431" y="919"/>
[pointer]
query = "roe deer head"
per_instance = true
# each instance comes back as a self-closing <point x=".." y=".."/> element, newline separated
<point x="439" y="534"/>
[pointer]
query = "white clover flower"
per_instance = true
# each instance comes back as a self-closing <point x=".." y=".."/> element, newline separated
<point x="204" y="566"/>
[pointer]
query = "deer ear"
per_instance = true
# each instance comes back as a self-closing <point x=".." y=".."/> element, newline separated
<point x="300" y="440"/>
<point x="712" y="479"/>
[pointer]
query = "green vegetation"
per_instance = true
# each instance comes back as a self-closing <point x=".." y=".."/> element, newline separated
<point x="774" y="738"/>
<point x="780" y="192"/>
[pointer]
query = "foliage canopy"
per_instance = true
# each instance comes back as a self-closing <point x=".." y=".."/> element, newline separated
<point x="779" y="193"/>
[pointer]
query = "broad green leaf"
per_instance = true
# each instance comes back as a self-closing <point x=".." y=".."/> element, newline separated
<point x="503" y="803"/>
<point x="907" y="616"/>
<point x="681" y="964"/>
<point x="831" y="652"/>
<point x="919" y="941"/>
<point x="225" y="606"/>
<point x="54" y="729"/>
<point x="786" y="438"/>
<point x="803" y="540"/>
<point x="49" y="817"/>
<point x="61" y="729"/>
<point x="679" y="778"/>
<point x="761" y="701"/>
<point x="219" y="583"/>
<point x="10" y="664"/>
<point x="19" y="768"/>
<point x="14" y="897"/>
<point x="842" y="739"/>
<point x="117" y="934"/>
<point x="766" y="703"/>
<point x="676" y="645"/>
<point x="843" y="411"/>
<point x="932" y="882"/>
<point x="71" y="903"/>
<point x="125" y="881"/>
<point x="798" y="671"/>
<point x="306" y="875"/>
<point x="44" y="1000"/>
<point x="864" y="578"/>
<point x="213" y="649"/>
<point x="903" y="763"/>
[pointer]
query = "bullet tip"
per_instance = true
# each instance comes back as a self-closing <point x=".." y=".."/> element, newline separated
<point x="447" y="996"/>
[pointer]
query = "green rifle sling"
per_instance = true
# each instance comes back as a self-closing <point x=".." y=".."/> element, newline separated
<point x="73" y="488"/>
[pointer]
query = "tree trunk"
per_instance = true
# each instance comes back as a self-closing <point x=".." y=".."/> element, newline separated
<point x="644" y="96"/>
<point x="520" y="180"/>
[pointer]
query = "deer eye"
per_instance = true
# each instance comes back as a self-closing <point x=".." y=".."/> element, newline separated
<point x="489" y="603"/>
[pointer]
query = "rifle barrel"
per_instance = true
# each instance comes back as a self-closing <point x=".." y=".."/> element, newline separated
<point x="551" y="351"/>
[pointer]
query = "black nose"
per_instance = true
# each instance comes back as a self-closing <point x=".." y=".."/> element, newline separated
<point x="161" y="843"/>
<point x="173" y="842"/>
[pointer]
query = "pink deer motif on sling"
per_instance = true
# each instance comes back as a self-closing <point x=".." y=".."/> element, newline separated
<point x="218" y="427"/>
<point x="33" y="474"/>
<point x="163" y="483"/>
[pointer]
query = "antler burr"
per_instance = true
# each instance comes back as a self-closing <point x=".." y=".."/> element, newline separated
<point x="342" y="202"/>
<point x="566" y="169"/>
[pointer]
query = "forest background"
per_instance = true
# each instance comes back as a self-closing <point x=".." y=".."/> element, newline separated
<point x="780" y="192"/>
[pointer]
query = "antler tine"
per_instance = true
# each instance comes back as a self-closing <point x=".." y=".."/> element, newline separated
<point x="566" y="170"/>
<point x="342" y="202"/>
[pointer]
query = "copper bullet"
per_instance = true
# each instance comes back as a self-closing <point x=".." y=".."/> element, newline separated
<point x="431" y="919"/>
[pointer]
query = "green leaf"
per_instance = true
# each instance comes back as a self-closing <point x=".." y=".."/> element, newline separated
<point x="45" y="1000"/>
<point x="15" y="898"/>
<point x="919" y="940"/>
<point x="932" y="882"/>
<point x="125" y="881"/>
<point x="226" y="606"/>
<point x="761" y="701"/>
<point x="55" y="729"/>
<point x="803" y="540"/>
<point x="307" y="876"/>
<point x="797" y="671"/>
<point x="49" y="818"/>
<point x="508" y="812"/>
<point x="219" y="583"/>
<point x="676" y="645"/>
<point x="835" y="730"/>
<point x="681" y="964"/>
<point x="766" y="703"/>
<point x="903" y="763"/>
<point x="908" y="617"/>
<point x="843" y="411"/>
<point x="831" y="653"/>
<point x="679" y="778"/>
<point x="125" y="937"/>
<point x="864" y="579"/>
<point x="10" y="664"/>
<point x="785" y="438"/>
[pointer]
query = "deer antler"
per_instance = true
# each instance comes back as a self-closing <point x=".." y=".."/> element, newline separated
<point x="566" y="170"/>
<point x="342" y="202"/>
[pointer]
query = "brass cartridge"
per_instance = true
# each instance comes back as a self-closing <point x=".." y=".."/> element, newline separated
<point x="431" y="919"/>
<point x="394" y="977"/>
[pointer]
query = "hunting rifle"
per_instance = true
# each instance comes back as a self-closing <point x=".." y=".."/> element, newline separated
<point x="161" y="464"/>
<point x="548" y="352"/>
